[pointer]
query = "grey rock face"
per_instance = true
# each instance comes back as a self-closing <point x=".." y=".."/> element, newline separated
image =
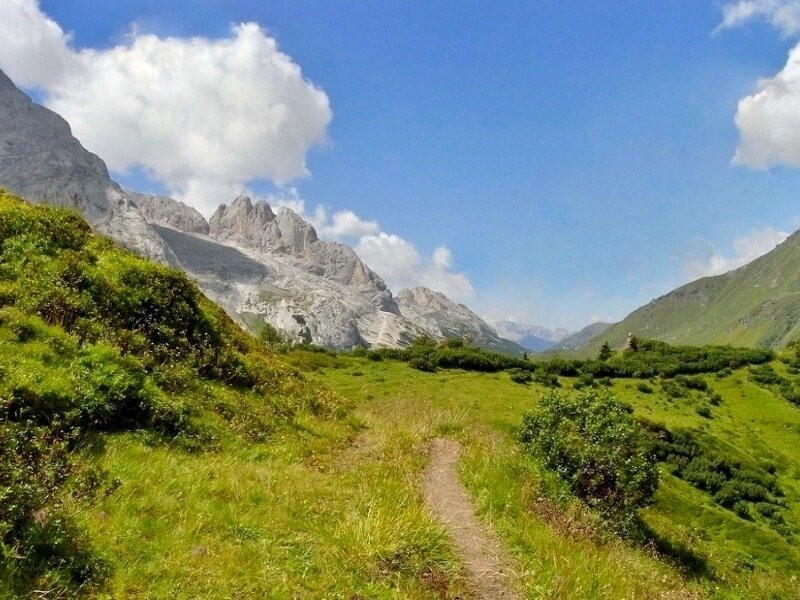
<point x="255" y="226"/>
<point x="41" y="161"/>
<point x="160" y="210"/>
<point x="440" y="317"/>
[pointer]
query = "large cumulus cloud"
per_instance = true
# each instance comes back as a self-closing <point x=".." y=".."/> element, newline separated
<point x="202" y="116"/>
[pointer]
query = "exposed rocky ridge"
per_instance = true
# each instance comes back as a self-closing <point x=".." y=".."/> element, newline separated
<point x="161" y="210"/>
<point x="440" y="317"/>
<point x="260" y="266"/>
<point x="41" y="161"/>
<point x="255" y="226"/>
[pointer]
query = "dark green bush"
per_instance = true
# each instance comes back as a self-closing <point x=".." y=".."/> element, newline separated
<point x="520" y="375"/>
<point x="593" y="443"/>
<point x="704" y="411"/>
<point x="546" y="379"/>
<point x="730" y="482"/>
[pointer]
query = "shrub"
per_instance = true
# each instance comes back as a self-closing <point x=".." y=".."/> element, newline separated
<point x="672" y="389"/>
<point x="592" y="442"/>
<point x="520" y="375"/>
<point x="731" y="484"/>
<point x="546" y="379"/>
<point x="766" y="375"/>
<point x="272" y="338"/>
<point x="704" y="411"/>
<point x="422" y="363"/>
<point x="644" y="387"/>
<point x="692" y="382"/>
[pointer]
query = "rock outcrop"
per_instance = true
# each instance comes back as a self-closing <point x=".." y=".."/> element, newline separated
<point x="41" y="161"/>
<point x="161" y="210"/>
<point x="439" y="317"/>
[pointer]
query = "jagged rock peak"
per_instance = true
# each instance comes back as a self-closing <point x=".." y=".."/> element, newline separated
<point x="242" y="219"/>
<point x="161" y="210"/>
<point x="255" y="225"/>
<point x="296" y="234"/>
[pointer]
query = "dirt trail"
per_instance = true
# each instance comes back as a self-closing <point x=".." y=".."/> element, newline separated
<point x="477" y="545"/>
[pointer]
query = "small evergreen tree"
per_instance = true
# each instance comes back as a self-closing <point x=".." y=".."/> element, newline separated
<point x="271" y="337"/>
<point x="605" y="352"/>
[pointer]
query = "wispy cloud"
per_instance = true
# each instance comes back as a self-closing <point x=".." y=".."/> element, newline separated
<point x="745" y="249"/>
<point x="784" y="15"/>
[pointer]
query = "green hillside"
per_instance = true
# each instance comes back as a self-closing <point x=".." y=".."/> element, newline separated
<point x="755" y="305"/>
<point x="151" y="449"/>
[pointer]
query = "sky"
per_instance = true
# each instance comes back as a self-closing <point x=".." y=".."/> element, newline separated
<point x="555" y="162"/>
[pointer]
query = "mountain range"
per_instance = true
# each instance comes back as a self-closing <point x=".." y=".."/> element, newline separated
<point x="260" y="265"/>
<point x="755" y="305"/>
<point x="532" y="337"/>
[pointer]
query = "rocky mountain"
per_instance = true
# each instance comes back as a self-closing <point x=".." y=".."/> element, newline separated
<point x="41" y="161"/>
<point x="755" y="305"/>
<point x="440" y="317"/>
<point x="160" y="210"/>
<point x="581" y="338"/>
<point x="532" y="337"/>
<point x="259" y="265"/>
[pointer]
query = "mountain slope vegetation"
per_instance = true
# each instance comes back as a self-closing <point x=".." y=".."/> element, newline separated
<point x="150" y="448"/>
<point x="755" y="305"/>
<point x="96" y="341"/>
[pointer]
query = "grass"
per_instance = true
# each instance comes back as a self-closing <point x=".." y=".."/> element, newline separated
<point x="706" y="550"/>
<point x="151" y="449"/>
<point x="321" y="511"/>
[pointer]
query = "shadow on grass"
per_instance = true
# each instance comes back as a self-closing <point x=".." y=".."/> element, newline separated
<point x="692" y="564"/>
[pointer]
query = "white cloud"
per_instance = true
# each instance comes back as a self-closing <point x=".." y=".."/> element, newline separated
<point x="34" y="50"/>
<point x="202" y="116"/>
<point x="745" y="249"/>
<point x="784" y="15"/>
<point x="401" y="265"/>
<point x="769" y="120"/>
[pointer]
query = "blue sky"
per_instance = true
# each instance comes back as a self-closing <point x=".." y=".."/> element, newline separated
<point x="574" y="157"/>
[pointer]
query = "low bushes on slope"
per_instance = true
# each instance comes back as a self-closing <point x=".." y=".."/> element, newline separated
<point x="93" y="340"/>
<point x="751" y="491"/>
<point x="593" y="443"/>
<point x="653" y="358"/>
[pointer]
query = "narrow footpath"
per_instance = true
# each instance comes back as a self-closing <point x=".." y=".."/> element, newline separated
<point x="480" y="550"/>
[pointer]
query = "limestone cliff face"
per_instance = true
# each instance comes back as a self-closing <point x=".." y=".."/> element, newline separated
<point x="259" y="265"/>
<point x="439" y="317"/>
<point x="41" y="161"/>
<point x="164" y="211"/>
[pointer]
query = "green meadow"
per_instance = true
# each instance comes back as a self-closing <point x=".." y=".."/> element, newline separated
<point x="150" y="448"/>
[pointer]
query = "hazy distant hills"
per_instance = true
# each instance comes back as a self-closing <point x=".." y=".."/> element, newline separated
<point x="755" y="305"/>
<point x="582" y="337"/>
<point x="531" y="337"/>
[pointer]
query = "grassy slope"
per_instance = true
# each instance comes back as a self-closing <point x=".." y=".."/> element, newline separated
<point x="288" y="502"/>
<point x="756" y="305"/>
<point x="559" y="553"/>
<point x="227" y="473"/>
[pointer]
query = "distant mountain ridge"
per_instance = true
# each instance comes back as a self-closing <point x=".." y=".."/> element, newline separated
<point x="755" y="305"/>
<point x="531" y="337"/>
<point x="261" y="266"/>
<point x="580" y="338"/>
